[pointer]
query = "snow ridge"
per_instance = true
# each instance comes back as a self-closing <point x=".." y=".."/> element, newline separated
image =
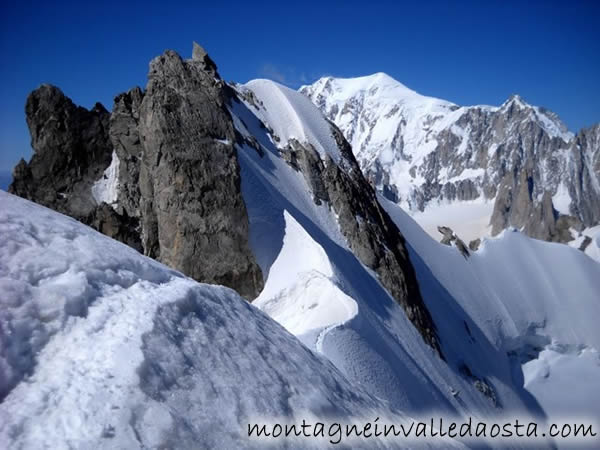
<point x="102" y="347"/>
<point x="292" y="116"/>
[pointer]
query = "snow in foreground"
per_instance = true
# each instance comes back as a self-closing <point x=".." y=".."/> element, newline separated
<point x="101" y="347"/>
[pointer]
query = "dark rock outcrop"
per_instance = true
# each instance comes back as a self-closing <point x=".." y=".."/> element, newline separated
<point x="517" y="206"/>
<point x="371" y="234"/>
<point x="203" y="61"/>
<point x="121" y="227"/>
<point x="481" y="384"/>
<point x="178" y="196"/>
<point x="585" y="172"/>
<point x="127" y="143"/>
<point x="447" y="235"/>
<point x="192" y="208"/>
<point x="450" y="238"/>
<point x="585" y="243"/>
<point x="474" y="244"/>
<point x="71" y="150"/>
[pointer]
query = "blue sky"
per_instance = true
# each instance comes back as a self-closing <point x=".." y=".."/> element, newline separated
<point x="466" y="52"/>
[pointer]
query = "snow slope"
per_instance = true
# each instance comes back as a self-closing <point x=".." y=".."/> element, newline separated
<point x="514" y="299"/>
<point x="537" y="301"/>
<point x="101" y="347"/>
<point x="593" y="249"/>
<point x="302" y="279"/>
<point x="317" y="289"/>
<point x="293" y="116"/>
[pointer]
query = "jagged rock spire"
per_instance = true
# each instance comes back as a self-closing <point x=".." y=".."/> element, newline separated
<point x="206" y="63"/>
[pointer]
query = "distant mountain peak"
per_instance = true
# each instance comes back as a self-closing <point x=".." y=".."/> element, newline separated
<point x="377" y="84"/>
<point x="422" y="152"/>
<point x="515" y="100"/>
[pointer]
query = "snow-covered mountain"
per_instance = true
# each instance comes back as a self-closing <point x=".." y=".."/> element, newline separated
<point x="318" y="290"/>
<point x="513" y="165"/>
<point x="250" y="186"/>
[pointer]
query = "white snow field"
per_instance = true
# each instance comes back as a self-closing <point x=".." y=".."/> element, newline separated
<point x="386" y="103"/>
<point x="292" y="115"/>
<point x="468" y="219"/>
<point x="536" y="300"/>
<point x="101" y="347"/>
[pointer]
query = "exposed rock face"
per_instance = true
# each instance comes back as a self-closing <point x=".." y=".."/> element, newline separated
<point x="127" y="143"/>
<point x="419" y="150"/>
<point x="203" y="61"/>
<point x="524" y="202"/>
<point x="585" y="244"/>
<point x="178" y="183"/>
<point x="474" y="244"/>
<point x="585" y="173"/>
<point x="371" y="234"/>
<point x="189" y="177"/>
<point x="516" y="205"/>
<point x="121" y="227"/>
<point x="450" y="238"/>
<point x="71" y="150"/>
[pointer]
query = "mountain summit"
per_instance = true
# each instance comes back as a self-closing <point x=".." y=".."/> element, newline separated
<point x="515" y="165"/>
